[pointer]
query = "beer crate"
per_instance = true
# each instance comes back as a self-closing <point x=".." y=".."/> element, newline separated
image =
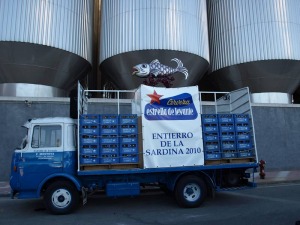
<point x="109" y="129"/>
<point x="209" y="118"/>
<point x="89" y="119"/>
<point x="129" y="158"/>
<point x="109" y="148"/>
<point x="128" y="138"/>
<point x="109" y="119"/>
<point x="89" y="149"/>
<point x="89" y="159"/>
<point x="241" y="118"/>
<point x="128" y="129"/>
<point x="226" y="118"/>
<point x="210" y="137"/>
<point x="127" y="119"/>
<point x="89" y="129"/>
<point x="129" y="148"/>
<point x="89" y="139"/>
<point x="109" y="158"/>
<point x="109" y="139"/>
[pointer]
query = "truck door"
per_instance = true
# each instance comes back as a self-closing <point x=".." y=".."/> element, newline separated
<point x="43" y="156"/>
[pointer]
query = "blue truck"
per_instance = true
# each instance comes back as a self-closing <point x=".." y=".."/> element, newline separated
<point x="64" y="160"/>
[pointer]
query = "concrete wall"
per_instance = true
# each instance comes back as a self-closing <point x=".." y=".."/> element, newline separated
<point x="277" y="131"/>
<point x="277" y="128"/>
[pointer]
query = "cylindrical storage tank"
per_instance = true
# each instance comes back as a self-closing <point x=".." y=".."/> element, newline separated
<point x="255" y="43"/>
<point x="45" y="46"/>
<point x="154" y="32"/>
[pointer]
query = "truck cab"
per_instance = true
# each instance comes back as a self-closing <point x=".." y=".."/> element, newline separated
<point x="48" y="150"/>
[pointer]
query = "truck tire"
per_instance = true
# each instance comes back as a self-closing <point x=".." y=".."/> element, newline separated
<point x="190" y="191"/>
<point x="61" y="198"/>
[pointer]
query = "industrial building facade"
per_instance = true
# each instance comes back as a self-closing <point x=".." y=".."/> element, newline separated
<point x="47" y="45"/>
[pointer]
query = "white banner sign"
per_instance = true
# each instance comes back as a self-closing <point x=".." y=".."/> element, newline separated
<point x="172" y="134"/>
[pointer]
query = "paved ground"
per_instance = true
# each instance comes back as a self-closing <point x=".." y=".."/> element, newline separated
<point x="271" y="177"/>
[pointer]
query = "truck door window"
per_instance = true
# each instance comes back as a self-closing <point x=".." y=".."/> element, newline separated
<point x="46" y="136"/>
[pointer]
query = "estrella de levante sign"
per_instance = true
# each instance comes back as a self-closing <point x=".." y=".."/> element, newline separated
<point x="178" y="107"/>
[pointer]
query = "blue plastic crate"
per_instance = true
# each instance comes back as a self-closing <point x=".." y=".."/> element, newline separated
<point x="227" y="136"/>
<point x="229" y="155"/>
<point x="244" y="145"/>
<point x="245" y="154"/>
<point x="242" y="127"/>
<point x="210" y="137"/>
<point x="128" y="119"/>
<point x="212" y="156"/>
<point x="211" y="146"/>
<point x="109" y="129"/>
<point x="228" y="145"/>
<point x="243" y="136"/>
<point x="109" y="149"/>
<point x="128" y="129"/>
<point x="109" y="158"/>
<point x="227" y="127"/>
<point x="129" y="158"/>
<point x="109" y="119"/>
<point x="89" y="139"/>
<point x="128" y="139"/>
<point x="210" y="128"/>
<point x="129" y="148"/>
<point x="89" y="129"/>
<point x="109" y="139"/>
<point x="89" y="149"/>
<point x="226" y="118"/>
<point x="89" y="159"/>
<point x="89" y="119"/>
<point x="209" y="118"/>
<point x="241" y="118"/>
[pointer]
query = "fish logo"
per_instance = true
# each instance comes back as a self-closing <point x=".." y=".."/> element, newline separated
<point x="156" y="68"/>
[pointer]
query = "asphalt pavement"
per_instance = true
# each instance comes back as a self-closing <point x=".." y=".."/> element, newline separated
<point x="271" y="177"/>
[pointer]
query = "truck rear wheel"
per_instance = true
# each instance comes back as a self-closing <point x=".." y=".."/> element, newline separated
<point x="190" y="191"/>
<point x="61" y="197"/>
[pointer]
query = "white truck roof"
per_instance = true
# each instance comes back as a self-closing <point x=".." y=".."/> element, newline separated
<point x="50" y="120"/>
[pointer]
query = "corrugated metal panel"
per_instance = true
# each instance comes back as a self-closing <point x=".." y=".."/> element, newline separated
<point x="64" y="24"/>
<point x="130" y="25"/>
<point x="244" y="31"/>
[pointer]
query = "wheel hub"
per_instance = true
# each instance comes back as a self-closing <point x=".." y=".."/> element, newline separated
<point x="61" y="198"/>
<point x="192" y="192"/>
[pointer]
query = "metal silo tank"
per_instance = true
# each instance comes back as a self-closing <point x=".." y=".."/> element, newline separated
<point x="45" y="46"/>
<point x="255" y="43"/>
<point x="140" y="31"/>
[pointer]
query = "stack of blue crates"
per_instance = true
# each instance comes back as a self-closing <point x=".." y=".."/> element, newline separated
<point x="211" y="142"/>
<point x="89" y="141"/>
<point x="244" y="135"/>
<point x="109" y="138"/>
<point x="227" y="136"/>
<point x="128" y="130"/>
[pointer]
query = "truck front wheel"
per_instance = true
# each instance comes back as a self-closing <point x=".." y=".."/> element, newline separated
<point x="61" y="197"/>
<point x="190" y="191"/>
